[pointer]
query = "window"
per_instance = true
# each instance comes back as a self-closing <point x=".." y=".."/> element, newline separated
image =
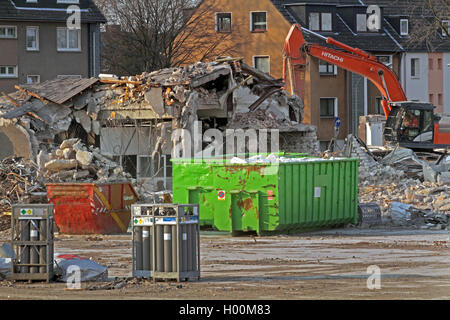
<point x="33" y="79"/>
<point x="31" y="1"/>
<point x="361" y="22"/>
<point x="378" y="106"/>
<point x="403" y="27"/>
<point x="32" y="38"/>
<point x="440" y="99"/>
<point x="8" y="32"/>
<point x="262" y="63"/>
<point x="386" y="60"/>
<point x="314" y="23"/>
<point x="446" y="23"/>
<point x="326" y="68"/>
<point x="68" y="39"/>
<point x="328" y="107"/>
<point x="430" y="63"/>
<point x="320" y="22"/>
<point x="8" y="71"/>
<point x="326" y="21"/>
<point x="67" y="1"/>
<point x="439" y="64"/>
<point x="258" y="21"/>
<point x="415" y="71"/>
<point x="223" y="22"/>
<point x="430" y="97"/>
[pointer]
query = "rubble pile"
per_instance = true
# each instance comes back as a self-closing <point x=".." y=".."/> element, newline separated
<point x="407" y="198"/>
<point x="19" y="181"/>
<point x="370" y="170"/>
<point x="74" y="162"/>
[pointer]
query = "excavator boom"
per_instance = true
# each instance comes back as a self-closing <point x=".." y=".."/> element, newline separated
<point x="352" y="59"/>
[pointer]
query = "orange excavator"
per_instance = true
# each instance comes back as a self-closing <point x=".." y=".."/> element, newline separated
<point x="409" y="124"/>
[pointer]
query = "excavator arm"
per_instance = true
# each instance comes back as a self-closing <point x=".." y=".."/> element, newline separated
<point x="352" y="59"/>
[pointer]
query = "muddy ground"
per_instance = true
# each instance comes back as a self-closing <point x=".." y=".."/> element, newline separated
<point x="414" y="264"/>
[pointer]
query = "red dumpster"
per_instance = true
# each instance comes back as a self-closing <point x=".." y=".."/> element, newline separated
<point x="91" y="208"/>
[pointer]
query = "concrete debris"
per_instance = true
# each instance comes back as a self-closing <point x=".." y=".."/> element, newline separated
<point x="402" y="214"/>
<point x="60" y="164"/>
<point x="410" y="197"/>
<point x="370" y="171"/>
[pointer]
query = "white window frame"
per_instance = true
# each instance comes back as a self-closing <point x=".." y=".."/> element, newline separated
<point x="261" y="56"/>
<point x="407" y="27"/>
<point x="231" y="21"/>
<point x="251" y="21"/>
<point x="390" y="65"/>
<point x="415" y="76"/>
<point x="34" y="75"/>
<point x="448" y="27"/>
<point x="67" y="39"/>
<point x="365" y="22"/>
<point x="335" y="108"/>
<point x="37" y="38"/>
<point x="327" y="73"/>
<point x="9" y="37"/>
<point x="68" y="1"/>
<point x="318" y="21"/>
<point x="321" y="21"/>
<point x="9" y="75"/>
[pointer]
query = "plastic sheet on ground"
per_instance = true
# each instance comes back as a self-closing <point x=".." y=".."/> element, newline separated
<point x="400" y="213"/>
<point x="89" y="270"/>
<point x="5" y="267"/>
<point x="6" y="251"/>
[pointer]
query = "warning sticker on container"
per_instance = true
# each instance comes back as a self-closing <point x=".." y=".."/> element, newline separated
<point x="167" y="236"/>
<point x="270" y="195"/>
<point x="184" y="236"/>
<point x="26" y="212"/>
<point x="317" y="192"/>
<point x="221" y="195"/>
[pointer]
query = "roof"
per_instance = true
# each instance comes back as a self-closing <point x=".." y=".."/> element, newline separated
<point x="387" y="40"/>
<point x="416" y="11"/>
<point x="59" y="90"/>
<point x="48" y="10"/>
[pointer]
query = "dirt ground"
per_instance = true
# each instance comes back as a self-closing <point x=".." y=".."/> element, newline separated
<point x="333" y="264"/>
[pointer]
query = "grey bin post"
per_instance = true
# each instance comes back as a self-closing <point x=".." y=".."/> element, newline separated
<point x="32" y="242"/>
<point x="173" y="246"/>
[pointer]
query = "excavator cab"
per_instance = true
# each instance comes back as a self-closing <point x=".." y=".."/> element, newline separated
<point x="410" y="124"/>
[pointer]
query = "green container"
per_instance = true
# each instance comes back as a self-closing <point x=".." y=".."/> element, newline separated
<point x="286" y="196"/>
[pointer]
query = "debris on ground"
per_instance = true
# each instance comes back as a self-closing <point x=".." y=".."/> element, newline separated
<point x="399" y="184"/>
<point x="89" y="270"/>
<point x="19" y="181"/>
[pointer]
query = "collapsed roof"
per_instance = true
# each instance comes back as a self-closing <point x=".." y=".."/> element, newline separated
<point x="228" y="88"/>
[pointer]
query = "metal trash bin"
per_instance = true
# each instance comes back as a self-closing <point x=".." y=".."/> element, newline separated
<point x="369" y="214"/>
<point x="166" y="241"/>
<point x="32" y="242"/>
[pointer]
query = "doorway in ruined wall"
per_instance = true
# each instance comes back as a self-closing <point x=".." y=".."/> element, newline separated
<point x="158" y="171"/>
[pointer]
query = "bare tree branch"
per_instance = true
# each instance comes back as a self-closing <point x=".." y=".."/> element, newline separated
<point x="156" y="34"/>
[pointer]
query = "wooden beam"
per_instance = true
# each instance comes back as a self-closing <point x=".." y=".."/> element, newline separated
<point x="31" y="93"/>
<point x="120" y="81"/>
<point x="11" y="99"/>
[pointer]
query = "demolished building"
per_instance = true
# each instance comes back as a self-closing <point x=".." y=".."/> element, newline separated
<point x="130" y="119"/>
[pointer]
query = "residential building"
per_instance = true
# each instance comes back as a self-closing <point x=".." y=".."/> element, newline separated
<point x="259" y="28"/>
<point x="36" y="43"/>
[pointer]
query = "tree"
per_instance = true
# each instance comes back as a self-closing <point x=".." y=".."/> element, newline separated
<point x="156" y="34"/>
<point x="430" y="25"/>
